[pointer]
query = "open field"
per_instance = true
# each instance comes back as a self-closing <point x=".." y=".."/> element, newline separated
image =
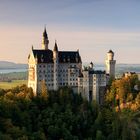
<point x="14" y="83"/>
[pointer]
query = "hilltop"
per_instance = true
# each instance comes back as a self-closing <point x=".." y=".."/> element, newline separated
<point x="11" y="65"/>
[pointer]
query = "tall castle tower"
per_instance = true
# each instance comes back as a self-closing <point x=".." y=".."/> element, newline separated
<point x="110" y="64"/>
<point x="45" y="41"/>
<point x="55" y="60"/>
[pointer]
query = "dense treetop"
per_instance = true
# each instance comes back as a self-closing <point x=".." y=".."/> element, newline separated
<point x="63" y="115"/>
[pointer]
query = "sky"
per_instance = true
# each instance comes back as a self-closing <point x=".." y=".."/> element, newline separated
<point x="92" y="26"/>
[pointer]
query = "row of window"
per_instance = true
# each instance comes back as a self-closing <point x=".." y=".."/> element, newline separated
<point x="51" y="66"/>
<point x="61" y="70"/>
<point x="74" y="84"/>
<point x="51" y="80"/>
<point x="43" y="66"/>
<point x="59" y="75"/>
<point x="62" y="84"/>
<point x="73" y="79"/>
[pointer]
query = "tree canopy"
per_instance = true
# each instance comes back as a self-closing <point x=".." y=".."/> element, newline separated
<point x="64" y="115"/>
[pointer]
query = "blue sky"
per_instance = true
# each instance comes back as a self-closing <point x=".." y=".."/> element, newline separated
<point x="92" y="26"/>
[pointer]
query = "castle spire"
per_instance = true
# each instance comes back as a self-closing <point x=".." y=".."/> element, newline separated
<point x="55" y="47"/>
<point x="45" y="33"/>
<point x="32" y="47"/>
<point x="45" y="41"/>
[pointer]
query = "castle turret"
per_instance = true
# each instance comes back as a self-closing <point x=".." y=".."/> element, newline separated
<point x="45" y="41"/>
<point x="110" y="64"/>
<point x="55" y="60"/>
<point x="91" y="66"/>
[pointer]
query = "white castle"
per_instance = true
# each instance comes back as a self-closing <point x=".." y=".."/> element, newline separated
<point x="64" y="68"/>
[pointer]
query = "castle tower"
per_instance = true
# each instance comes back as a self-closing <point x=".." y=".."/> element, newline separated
<point x="110" y="64"/>
<point x="55" y="60"/>
<point x="45" y="41"/>
<point x="91" y="66"/>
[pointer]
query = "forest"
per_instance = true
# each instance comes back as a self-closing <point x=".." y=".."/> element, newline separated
<point x="64" y="115"/>
<point x="9" y="77"/>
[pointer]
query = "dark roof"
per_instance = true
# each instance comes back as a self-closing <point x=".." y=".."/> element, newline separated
<point x="91" y="63"/>
<point x="43" y="56"/>
<point x="110" y="51"/>
<point x="46" y="56"/>
<point x="97" y="72"/>
<point x="69" y="56"/>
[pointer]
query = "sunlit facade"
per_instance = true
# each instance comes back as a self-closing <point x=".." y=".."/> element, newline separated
<point x="64" y="68"/>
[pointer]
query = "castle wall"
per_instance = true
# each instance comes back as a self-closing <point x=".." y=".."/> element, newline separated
<point x="59" y="69"/>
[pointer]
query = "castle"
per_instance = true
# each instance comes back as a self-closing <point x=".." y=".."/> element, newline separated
<point x="64" y="68"/>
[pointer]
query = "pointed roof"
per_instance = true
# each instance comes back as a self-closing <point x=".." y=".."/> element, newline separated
<point x="55" y="47"/>
<point x="45" y="33"/>
<point x="91" y="63"/>
<point x="32" y="47"/>
<point x="110" y="51"/>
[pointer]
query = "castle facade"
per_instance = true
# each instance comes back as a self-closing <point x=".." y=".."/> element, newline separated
<point x="64" y="68"/>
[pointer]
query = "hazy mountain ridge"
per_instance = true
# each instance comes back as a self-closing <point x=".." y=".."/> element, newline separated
<point x="120" y="68"/>
<point x="12" y="65"/>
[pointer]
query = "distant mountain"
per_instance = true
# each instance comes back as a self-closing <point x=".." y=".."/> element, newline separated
<point x="11" y="65"/>
<point x="120" y="68"/>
